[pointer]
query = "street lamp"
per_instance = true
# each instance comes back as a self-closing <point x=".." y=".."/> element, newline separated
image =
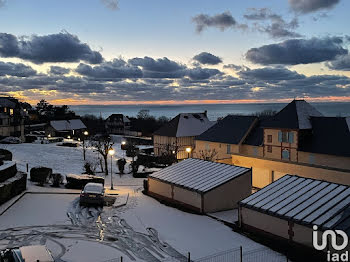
<point x="188" y="150"/>
<point x="86" y="133"/>
<point x="111" y="153"/>
<point x="123" y="148"/>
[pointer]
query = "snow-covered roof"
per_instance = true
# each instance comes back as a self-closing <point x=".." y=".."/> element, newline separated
<point x="186" y="124"/>
<point x="305" y="201"/>
<point x="67" y="125"/>
<point x="199" y="175"/>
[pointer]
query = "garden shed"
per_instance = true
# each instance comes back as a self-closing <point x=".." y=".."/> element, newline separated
<point x="201" y="186"/>
<point x="289" y="208"/>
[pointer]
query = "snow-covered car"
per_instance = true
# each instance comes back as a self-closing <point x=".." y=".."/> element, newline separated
<point x="92" y="194"/>
<point x="26" y="254"/>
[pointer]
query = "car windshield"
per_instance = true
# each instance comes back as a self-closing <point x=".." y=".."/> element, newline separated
<point x="93" y="188"/>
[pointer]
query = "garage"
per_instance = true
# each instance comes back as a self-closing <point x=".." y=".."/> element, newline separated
<point x="201" y="186"/>
<point x="287" y="210"/>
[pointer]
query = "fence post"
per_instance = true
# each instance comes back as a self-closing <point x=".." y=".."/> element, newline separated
<point x="121" y="259"/>
<point x="189" y="257"/>
<point x="241" y="253"/>
<point x="27" y="167"/>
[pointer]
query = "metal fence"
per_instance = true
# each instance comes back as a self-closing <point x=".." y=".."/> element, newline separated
<point x="239" y="255"/>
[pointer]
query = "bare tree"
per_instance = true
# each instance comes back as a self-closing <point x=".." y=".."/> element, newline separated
<point x="102" y="145"/>
<point x="208" y="154"/>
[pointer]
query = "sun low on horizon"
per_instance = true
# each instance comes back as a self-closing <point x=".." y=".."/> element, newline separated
<point x="106" y="52"/>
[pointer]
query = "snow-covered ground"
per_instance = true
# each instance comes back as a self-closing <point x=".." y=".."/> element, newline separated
<point x="142" y="230"/>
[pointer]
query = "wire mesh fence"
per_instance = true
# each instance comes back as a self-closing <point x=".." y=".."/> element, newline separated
<point x="239" y="255"/>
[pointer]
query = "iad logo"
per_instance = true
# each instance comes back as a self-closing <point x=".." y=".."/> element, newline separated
<point x="332" y="235"/>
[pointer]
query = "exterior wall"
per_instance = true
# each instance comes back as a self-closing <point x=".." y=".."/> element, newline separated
<point x="229" y="194"/>
<point x="172" y="193"/>
<point x="252" y="150"/>
<point x="277" y="226"/>
<point x="159" y="188"/>
<point x="188" y="197"/>
<point x="163" y="144"/>
<point x="277" y="146"/>
<point x="324" y="160"/>
<point x="261" y="177"/>
<point x="331" y="175"/>
<point x="220" y="148"/>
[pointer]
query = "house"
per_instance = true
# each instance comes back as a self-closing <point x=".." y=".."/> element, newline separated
<point x="201" y="186"/>
<point x="298" y="140"/>
<point x="118" y="124"/>
<point x="287" y="210"/>
<point x="65" y="128"/>
<point x="12" y="117"/>
<point x="177" y="136"/>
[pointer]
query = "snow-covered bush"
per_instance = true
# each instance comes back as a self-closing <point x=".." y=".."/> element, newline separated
<point x="40" y="174"/>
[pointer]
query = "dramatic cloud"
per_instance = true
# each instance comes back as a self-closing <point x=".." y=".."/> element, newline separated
<point x="206" y="58"/>
<point x="221" y="21"/>
<point x="308" y="6"/>
<point x="277" y="27"/>
<point x="270" y="73"/>
<point x="12" y="69"/>
<point x="111" y="4"/>
<point x="202" y="73"/>
<point x="58" y="70"/>
<point x="298" y="51"/>
<point x="62" y="47"/>
<point x="115" y="69"/>
<point x="340" y="63"/>
<point x="233" y="67"/>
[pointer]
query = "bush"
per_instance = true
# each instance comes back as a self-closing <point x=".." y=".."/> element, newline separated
<point x="121" y="165"/>
<point x="68" y="144"/>
<point x="89" y="170"/>
<point x="7" y="155"/>
<point x="40" y="174"/>
<point x="56" y="179"/>
<point x="79" y="181"/>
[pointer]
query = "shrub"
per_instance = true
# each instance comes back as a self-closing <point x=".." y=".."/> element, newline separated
<point x="79" y="181"/>
<point x="56" y="179"/>
<point x="40" y="174"/>
<point x="121" y="165"/>
<point x="7" y="155"/>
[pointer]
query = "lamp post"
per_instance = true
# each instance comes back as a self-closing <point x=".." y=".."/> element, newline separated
<point x="111" y="153"/>
<point x="188" y="150"/>
<point x="86" y="133"/>
<point x="123" y="144"/>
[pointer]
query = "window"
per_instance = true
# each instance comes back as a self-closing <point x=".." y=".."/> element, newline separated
<point x="269" y="149"/>
<point x="285" y="154"/>
<point x="286" y="137"/>
<point x="207" y="146"/>
<point x="269" y="138"/>
<point x="11" y="111"/>
<point x="255" y="151"/>
<point x="228" y="149"/>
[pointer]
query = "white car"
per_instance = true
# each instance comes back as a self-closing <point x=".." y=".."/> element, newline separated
<point x="26" y="254"/>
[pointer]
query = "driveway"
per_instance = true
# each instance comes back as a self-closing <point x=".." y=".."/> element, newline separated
<point x="75" y="233"/>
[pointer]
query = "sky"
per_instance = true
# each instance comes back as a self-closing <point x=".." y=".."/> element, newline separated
<point x="174" y="52"/>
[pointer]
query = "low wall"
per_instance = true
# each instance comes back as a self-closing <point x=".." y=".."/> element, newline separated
<point x="7" y="170"/>
<point x="13" y="187"/>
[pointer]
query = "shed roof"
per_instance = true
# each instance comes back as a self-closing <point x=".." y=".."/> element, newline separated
<point x="199" y="175"/>
<point x="231" y="130"/>
<point x="67" y="125"/>
<point x="305" y="201"/>
<point x="185" y="124"/>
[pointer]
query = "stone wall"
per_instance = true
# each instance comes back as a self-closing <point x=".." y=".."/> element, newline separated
<point x="13" y="187"/>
